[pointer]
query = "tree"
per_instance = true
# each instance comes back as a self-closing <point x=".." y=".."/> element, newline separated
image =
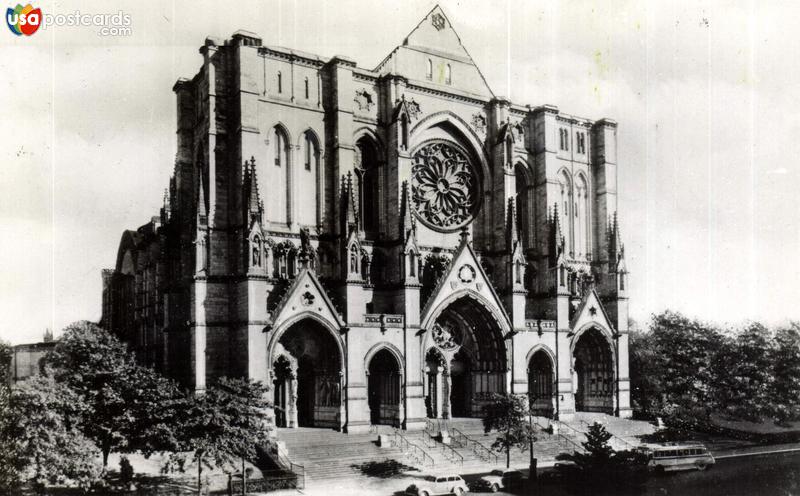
<point x="683" y="357"/>
<point x="785" y="387"/>
<point x="507" y="414"/>
<point x="224" y="425"/>
<point x="743" y="374"/>
<point x="129" y="407"/>
<point x="645" y="373"/>
<point x="600" y="463"/>
<point x="40" y="437"/>
<point x="6" y="354"/>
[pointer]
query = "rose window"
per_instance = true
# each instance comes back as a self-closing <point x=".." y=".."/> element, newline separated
<point x="444" y="186"/>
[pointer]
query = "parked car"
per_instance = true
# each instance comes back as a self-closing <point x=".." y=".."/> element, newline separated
<point x="501" y="479"/>
<point x="439" y="484"/>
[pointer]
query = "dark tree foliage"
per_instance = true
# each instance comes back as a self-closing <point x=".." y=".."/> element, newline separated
<point x="129" y="407"/>
<point x="508" y="415"/>
<point x="6" y="353"/>
<point x="222" y="427"/>
<point x="685" y="370"/>
<point x="599" y="464"/>
<point x="40" y="439"/>
<point x="645" y="373"/>
<point x="743" y="375"/>
<point x="785" y="387"/>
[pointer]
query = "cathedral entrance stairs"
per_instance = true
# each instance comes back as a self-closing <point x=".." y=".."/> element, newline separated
<point x="326" y="454"/>
<point x="474" y="446"/>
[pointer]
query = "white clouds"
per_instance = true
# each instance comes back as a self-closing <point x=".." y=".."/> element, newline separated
<point x="708" y="133"/>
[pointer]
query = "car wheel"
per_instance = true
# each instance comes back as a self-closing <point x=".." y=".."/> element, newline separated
<point x="460" y="491"/>
<point x="701" y="466"/>
<point x="495" y="488"/>
<point x="659" y="470"/>
<point x="425" y="493"/>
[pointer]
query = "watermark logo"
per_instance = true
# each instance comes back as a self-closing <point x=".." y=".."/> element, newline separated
<point x="23" y="20"/>
<point x="27" y="20"/>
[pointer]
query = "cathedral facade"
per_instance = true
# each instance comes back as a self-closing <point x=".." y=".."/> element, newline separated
<point x="379" y="246"/>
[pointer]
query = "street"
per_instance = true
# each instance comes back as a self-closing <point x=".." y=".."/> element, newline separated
<point x="775" y="474"/>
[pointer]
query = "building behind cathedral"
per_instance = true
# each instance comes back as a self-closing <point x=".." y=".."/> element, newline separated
<point x="379" y="245"/>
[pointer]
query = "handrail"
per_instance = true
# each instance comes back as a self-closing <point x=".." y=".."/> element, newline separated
<point x="452" y="455"/>
<point x="479" y="449"/>
<point x="483" y="452"/>
<point x="427" y="437"/>
<point x="283" y="458"/>
<point x="459" y="438"/>
<point x="414" y="451"/>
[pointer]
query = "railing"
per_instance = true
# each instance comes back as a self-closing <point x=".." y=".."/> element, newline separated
<point x="480" y="450"/>
<point x="428" y="439"/>
<point x="298" y="470"/>
<point x="412" y="450"/>
<point x="452" y="455"/>
<point x="566" y="438"/>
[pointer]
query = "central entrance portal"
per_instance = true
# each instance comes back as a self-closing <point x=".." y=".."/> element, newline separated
<point x="595" y="373"/>
<point x="307" y="377"/>
<point x="384" y="389"/>
<point x="471" y="344"/>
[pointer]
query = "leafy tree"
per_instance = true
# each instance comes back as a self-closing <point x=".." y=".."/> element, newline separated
<point x="129" y="407"/>
<point x="508" y="415"/>
<point x="40" y="437"/>
<point x="600" y="463"/>
<point x="224" y="425"/>
<point x="6" y="354"/>
<point x="743" y="374"/>
<point x="785" y="387"/>
<point x="683" y="357"/>
<point x="645" y="373"/>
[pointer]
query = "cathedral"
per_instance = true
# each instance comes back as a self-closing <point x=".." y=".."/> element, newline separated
<point x="380" y="246"/>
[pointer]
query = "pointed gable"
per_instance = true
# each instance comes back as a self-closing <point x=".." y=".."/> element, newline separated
<point x="433" y="52"/>
<point x="306" y="294"/>
<point x="465" y="274"/>
<point x="589" y="311"/>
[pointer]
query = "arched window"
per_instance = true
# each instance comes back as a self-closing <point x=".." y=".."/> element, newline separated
<point x="565" y="204"/>
<point x="509" y="150"/>
<point x="524" y="210"/>
<point x="447" y="74"/>
<point x="277" y="178"/>
<point x="370" y="186"/>
<point x="404" y="131"/>
<point x="581" y="216"/>
<point x="310" y="181"/>
<point x="306" y="87"/>
<point x="429" y="70"/>
<point x="280" y="82"/>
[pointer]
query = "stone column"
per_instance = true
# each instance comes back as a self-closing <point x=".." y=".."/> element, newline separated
<point x="446" y="383"/>
<point x="401" y="411"/>
<point x="291" y="415"/>
<point x="342" y="403"/>
<point x="438" y="388"/>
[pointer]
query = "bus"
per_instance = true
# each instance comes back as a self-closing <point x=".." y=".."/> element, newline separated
<point x="670" y="457"/>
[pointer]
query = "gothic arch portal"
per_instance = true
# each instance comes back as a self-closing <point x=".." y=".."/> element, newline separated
<point x="593" y="365"/>
<point x="384" y="374"/>
<point x="312" y="395"/>
<point x="472" y="341"/>
<point x="541" y="380"/>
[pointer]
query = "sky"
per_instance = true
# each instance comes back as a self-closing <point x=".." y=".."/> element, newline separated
<point x="705" y="94"/>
